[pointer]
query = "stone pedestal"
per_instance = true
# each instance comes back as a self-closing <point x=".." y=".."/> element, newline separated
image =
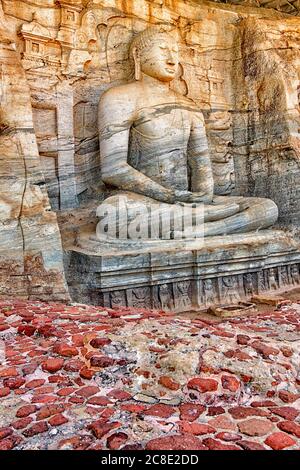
<point x="223" y="270"/>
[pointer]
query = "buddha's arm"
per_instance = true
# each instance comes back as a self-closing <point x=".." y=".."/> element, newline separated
<point x="199" y="159"/>
<point x="117" y="172"/>
<point x="114" y="123"/>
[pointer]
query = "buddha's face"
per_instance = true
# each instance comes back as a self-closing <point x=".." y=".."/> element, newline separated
<point x="160" y="60"/>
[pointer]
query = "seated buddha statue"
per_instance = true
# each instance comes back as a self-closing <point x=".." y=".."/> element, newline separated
<point x="154" y="149"/>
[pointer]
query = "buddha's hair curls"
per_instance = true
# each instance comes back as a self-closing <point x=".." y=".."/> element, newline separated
<point x="145" y="38"/>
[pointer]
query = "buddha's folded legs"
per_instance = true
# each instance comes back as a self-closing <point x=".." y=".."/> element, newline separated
<point x="255" y="214"/>
<point x="226" y="215"/>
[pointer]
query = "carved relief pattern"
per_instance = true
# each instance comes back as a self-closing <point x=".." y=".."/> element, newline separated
<point x="229" y="288"/>
<point x="295" y="274"/>
<point x="165" y="295"/>
<point x="118" y="299"/>
<point x="249" y="285"/>
<point x="209" y="296"/>
<point x="225" y="290"/>
<point x="272" y="279"/>
<point x="284" y="276"/>
<point x="140" y="297"/>
<point x="182" y="295"/>
<point x="261" y="282"/>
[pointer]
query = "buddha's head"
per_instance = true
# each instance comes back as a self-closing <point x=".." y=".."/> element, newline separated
<point x="155" y="53"/>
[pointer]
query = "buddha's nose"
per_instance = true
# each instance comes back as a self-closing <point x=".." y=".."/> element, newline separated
<point x="171" y="59"/>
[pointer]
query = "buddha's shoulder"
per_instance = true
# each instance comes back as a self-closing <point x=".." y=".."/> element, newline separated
<point x="118" y="93"/>
<point x="190" y="104"/>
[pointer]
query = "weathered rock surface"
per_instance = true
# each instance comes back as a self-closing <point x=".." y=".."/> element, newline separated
<point x="238" y="63"/>
<point x="30" y="245"/>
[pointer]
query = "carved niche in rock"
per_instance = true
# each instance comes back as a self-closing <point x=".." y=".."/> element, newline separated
<point x="70" y="20"/>
<point x="40" y="47"/>
<point x="85" y="44"/>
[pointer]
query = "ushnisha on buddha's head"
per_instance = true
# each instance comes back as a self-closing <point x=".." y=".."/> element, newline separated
<point x="155" y="53"/>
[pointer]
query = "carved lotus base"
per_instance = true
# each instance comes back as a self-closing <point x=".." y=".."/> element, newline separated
<point x="225" y="270"/>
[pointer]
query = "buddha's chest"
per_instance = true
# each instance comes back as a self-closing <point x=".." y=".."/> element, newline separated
<point x="166" y="123"/>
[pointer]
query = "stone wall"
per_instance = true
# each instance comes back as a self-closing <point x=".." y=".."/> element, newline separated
<point x="239" y="64"/>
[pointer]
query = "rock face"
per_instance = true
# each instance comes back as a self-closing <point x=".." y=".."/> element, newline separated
<point x="285" y="6"/>
<point x="30" y="246"/>
<point x="239" y="64"/>
<point x="267" y="134"/>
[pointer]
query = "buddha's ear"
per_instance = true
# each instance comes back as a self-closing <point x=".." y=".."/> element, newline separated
<point x="137" y="63"/>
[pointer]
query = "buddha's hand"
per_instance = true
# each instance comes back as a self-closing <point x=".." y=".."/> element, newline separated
<point x="189" y="197"/>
